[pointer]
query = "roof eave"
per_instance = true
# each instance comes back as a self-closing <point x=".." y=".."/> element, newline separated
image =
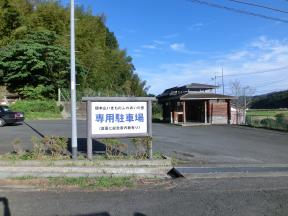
<point x="207" y="98"/>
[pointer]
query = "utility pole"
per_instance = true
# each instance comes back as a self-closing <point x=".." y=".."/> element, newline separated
<point x="215" y="78"/>
<point x="223" y="81"/>
<point x="245" y="103"/>
<point x="73" y="80"/>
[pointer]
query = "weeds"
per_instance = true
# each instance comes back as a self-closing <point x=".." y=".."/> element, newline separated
<point x="49" y="147"/>
<point x="142" y="146"/>
<point x="114" y="148"/>
<point x="92" y="183"/>
<point x="17" y="146"/>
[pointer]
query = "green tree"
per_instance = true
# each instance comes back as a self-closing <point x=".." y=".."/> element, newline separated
<point x="35" y="64"/>
<point x="51" y="16"/>
<point x="34" y="60"/>
<point x="10" y="18"/>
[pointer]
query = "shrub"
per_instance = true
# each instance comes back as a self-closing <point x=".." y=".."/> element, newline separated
<point x="282" y="121"/>
<point x="36" y="106"/>
<point x="280" y="118"/>
<point x="156" y="110"/>
<point x="34" y="93"/>
<point x="54" y="146"/>
<point x="114" y="147"/>
<point x="268" y="122"/>
<point x="17" y="146"/>
<point x="142" y="146"/>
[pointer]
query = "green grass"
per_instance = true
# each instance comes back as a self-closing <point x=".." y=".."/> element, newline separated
<point x="92" y="183"/>
<point x="24" y="178"/>
<point x="156" y="156"/>
<point x="42" y="115"/>
<point x="266" y="112"/>
<point x="87" y="183"/>
<point x="38" y="109"/>
<point x="276" y="119"/>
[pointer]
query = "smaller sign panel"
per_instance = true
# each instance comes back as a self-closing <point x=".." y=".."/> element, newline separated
<point x="115" y="118"/>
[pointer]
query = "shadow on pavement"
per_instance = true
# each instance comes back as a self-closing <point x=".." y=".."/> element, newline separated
<point x="82" y="146"/>
<point x="95" y="214"/>
<point x="107" y="214"/>
<point x="36" y="131"/>
<point x="6" y="209"/>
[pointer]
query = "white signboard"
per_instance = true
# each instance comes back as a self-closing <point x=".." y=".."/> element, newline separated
<point x="114" y="118"/>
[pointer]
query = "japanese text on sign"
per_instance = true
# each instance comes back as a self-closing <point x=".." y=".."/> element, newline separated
<point x="119" y="117"/>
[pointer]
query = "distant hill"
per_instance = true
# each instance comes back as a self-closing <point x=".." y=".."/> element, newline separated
<point x="272" y="100"/>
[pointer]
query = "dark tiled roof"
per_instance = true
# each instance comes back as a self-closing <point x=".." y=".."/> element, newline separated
<point x="198" y="86"/>
<point x="186" y="88"/>
<point x="204" y="95"/>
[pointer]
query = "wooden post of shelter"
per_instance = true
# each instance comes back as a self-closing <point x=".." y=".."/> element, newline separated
<point x="184" y="112"/>
<point x="205" y="105"/>
<point x="229" y="111"/>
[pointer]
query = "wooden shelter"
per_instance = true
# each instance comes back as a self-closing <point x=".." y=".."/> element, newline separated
<point x="195" y="104"/>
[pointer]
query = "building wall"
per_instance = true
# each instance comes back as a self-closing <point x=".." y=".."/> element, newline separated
<point x="237" y="116"/>
<point x="218" y="112"/>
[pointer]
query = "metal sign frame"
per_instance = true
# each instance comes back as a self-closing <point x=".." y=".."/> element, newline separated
<point x="90" y="136"/>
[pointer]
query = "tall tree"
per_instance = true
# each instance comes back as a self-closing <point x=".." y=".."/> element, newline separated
<point x="110" y="70"/>
<point x="35" y="63"/>
<point x="244" y="94"/>
<point x="10" y="18"/>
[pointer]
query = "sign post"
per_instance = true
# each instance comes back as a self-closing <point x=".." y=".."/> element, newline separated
<point x="118" y="117"/>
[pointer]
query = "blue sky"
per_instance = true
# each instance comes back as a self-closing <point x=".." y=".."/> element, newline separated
<point x="176" y="42"/>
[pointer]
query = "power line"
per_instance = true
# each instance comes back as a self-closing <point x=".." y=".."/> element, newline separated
<point x="268" y="91"/>
<point x="269" y="83"/>
<point x="257" y="72"/>
<point x="238" y="10"/>
<point x="260" y="6"/>
<point x="265" y="83"/>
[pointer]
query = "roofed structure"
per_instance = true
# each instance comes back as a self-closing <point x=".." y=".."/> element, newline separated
<point x="195" y="103"/>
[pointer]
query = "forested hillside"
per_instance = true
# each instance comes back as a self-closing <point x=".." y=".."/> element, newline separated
<point x="34" y="52"/>
<point x="273" y="100"/>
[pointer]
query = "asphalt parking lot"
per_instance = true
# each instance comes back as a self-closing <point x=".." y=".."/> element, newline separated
<point x="192" y="145"/>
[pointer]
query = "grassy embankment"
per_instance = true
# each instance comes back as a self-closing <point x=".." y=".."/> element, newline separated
<point x="87" y="183"/>
<point x="37" y="110"/>
<point x="267" y="112"/>
<point x="268" y="118"/>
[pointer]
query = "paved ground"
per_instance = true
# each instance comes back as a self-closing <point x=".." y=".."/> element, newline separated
<point x="222" y="144"/>
<point x="215" y="197"/>
<point x="189" y="196"/>
<point x="193" y="145"/>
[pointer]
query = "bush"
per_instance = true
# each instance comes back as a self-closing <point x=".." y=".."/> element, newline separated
<point x="268" y="122"/>
<point x="114" y="147"/>
<point x="280" y="118"/>
<point x="35" y="93"/>
<point x="156" y="110"/>
<point x="28" y="106"/>
<point x="17" y="146"/>
<point x="142" y="146"/>
<point x="50" y="145"/>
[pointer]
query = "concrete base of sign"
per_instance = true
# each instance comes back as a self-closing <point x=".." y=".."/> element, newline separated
<point x="141" y="168"/>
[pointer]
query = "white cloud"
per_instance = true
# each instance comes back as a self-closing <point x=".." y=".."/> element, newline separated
<point x="238" y="55"/>
<point x="137" y="51"/>
<point x="261" y="54"/>
<point x="179" y="47"/>
<point x="159" y="42"/>
<point x="149" y="46"/>
<point x="169" y="36"/>
<point x="196" y="26"/>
